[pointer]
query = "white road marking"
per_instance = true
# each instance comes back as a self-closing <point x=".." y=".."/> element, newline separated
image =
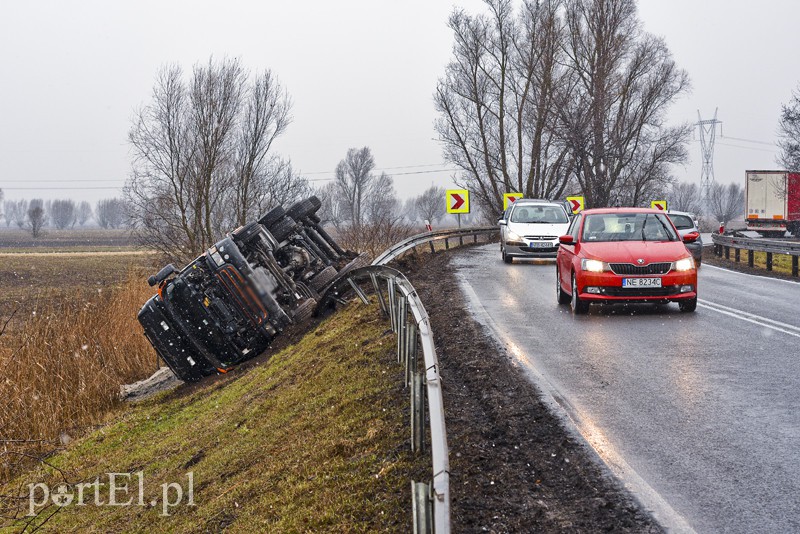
<point x="750" y="317"/>
<point x="761" y="276"/>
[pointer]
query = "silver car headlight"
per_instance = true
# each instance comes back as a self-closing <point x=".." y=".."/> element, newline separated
<point x="514" y="236"/>
<point x="593" y="266"/>
<point x="686" y="264"/>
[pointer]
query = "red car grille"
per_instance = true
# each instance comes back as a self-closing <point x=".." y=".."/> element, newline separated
<point x="629" y="268"/>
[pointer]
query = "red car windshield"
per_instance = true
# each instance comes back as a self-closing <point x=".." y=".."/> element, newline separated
<point x="628" y="227"/>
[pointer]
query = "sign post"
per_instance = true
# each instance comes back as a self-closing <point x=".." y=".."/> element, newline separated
<point x="458" y="203"/>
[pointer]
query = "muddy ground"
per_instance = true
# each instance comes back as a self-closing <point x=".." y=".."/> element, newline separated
<point x="514" y="467"/>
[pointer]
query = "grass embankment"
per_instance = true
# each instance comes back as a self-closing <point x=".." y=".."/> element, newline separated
<point x="314" y="439"/>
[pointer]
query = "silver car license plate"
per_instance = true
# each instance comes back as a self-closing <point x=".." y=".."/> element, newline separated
<point x="541" y="244"/>
<point x="641" y="282"/>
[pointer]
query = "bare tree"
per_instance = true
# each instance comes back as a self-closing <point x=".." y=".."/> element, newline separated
<point x="84" y="212"/>
<point x="21" y="213"/>
<point x="62" y="213"/>
<point x="726" y="202"/>
<point x="684" y="196"/>
<point x="613" y="111"/>
<point x="37" y="217"/>
<point x="202" y="161"/>
<point x="789" y="132"/>
<point x="353" y="180"/>
<point x="410" y="209"/>
<point x="10" y="209"/>
<point x="496" y="102"/>
<point x="363" y="207"/>
<point x="111" y="213"/>
<point x="431" y="204"/>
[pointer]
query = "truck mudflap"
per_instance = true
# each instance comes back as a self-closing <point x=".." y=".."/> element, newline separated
<point x="173" y="346"/>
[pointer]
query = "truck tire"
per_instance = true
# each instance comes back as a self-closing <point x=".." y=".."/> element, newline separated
<point x="283" y="228"/>
<point x="272" y="216"/>
<point x="244" y="234"/>
<point x="323" y="278"/>
<point x="304" y="311"/>
<point x="304" y="208"/>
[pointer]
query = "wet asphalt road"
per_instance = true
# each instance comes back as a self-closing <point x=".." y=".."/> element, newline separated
<point x="698" y="413"/>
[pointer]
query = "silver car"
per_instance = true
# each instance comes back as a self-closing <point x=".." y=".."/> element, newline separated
<point x="685" y="223"/>
<point x="531" y="228"/>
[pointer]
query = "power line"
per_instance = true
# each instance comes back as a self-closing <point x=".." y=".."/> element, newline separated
<point x="381" y="169"/>
<point x="745" y="140"/>
<point x="395" y="174"/>
<point x="748" y="147"/>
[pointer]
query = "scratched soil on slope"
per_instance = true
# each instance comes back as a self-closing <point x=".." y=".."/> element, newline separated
<point x="514" y="468"/>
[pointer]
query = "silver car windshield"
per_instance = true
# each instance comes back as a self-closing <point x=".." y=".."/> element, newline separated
<point x="628" y="227"/>
<point x="682" y="222"/>
<point x="539" y="214"/>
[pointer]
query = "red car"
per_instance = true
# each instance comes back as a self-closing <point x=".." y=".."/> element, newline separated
<point x="625" y="255"/>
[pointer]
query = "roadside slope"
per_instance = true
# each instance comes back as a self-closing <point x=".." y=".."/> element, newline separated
<point x="314" y="439"/>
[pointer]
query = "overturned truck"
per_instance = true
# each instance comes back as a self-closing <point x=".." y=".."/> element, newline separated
<point x="229" y="303"/>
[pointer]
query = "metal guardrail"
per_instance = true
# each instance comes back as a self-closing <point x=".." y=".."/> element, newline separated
<point x="429" y="237"/>
<point x="398" y="299"/>
<point x="724" y="243"/>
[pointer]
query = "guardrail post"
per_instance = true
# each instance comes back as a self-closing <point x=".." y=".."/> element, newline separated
<point x="769" y="261"/>
<point x="421" y="507"/>
<point x="402" y="318"/>
<point x="392" y="298"/>
<point x="750" y="258"/>
<point x="417" y="412"/>
<point x="411" y="352"/>
<point x="794" y="265"/>
<point x="378" y="292"/>
<point x="727" y="252"/>
<point x="475" y="238"/>
<point x="433" y="250"/>
<point x="736" y="255"/>
<point x="461" y="240"/>
<point x="358" y="291"/>
<point x="447" y="243"/>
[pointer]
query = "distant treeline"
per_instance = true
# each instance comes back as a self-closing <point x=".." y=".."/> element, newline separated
<point x="37" y="214"/>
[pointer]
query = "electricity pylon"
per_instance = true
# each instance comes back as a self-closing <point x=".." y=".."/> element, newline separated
<point x="708" y="132"/>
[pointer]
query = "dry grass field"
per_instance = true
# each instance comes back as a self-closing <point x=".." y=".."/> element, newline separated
<point x="68" y="338"/>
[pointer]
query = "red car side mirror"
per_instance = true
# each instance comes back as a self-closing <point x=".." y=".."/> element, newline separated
<point x="566" y="240"/>
<point x="691" y="237"/>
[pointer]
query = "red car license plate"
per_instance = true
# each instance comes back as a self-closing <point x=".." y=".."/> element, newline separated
<point x="641" y="282"/>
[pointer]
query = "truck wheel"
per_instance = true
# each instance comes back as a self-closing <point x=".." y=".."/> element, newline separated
<point x="244" y="234"/>
<point x="274" y="215"/>
<point x="304" y="311"/>
<point x="283" y="228"/>
<point x="304" y="208"/>
<point x="323" y="278"/>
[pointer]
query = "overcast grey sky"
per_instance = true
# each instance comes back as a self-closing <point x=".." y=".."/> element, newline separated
<point x="359" y="73"/>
